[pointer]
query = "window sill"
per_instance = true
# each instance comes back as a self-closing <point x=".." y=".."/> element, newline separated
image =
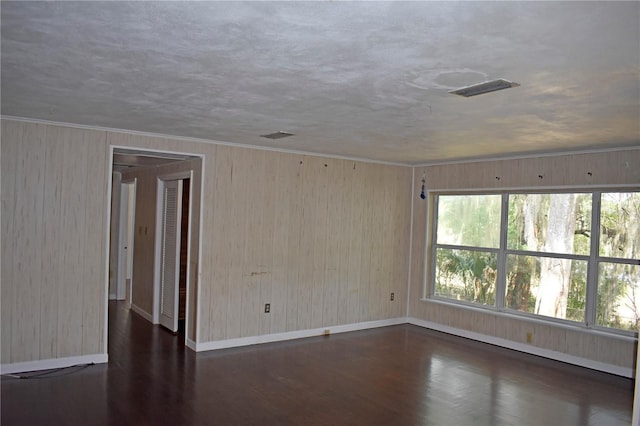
<point x="512" y="315"/>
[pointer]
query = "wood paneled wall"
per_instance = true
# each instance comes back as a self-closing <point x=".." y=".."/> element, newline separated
<point x="603" y="169"/>
<point x="54" y="208"/>
<point x="114" y="234"/>
<point x="323" y="240"/>
<point x="584" y="170"/>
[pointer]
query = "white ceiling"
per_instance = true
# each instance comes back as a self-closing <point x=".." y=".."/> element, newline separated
<point x="362" y="79"/>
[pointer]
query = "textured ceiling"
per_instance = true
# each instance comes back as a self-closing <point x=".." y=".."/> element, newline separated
<point x="367" y="80"/>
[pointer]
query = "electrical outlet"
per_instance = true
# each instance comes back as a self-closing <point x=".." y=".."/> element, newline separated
<point x="393" y="296"/>
<point x="267" y="308"/>
<point x="529" y="337"/>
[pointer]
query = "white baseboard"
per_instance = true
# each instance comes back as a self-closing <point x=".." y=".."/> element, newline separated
<point x="190" y="344"/>
<point x="48" y="364"/>
<point x="521" y="347"/>
<point x="144" y="314"/>
<point x="291" y="335"/>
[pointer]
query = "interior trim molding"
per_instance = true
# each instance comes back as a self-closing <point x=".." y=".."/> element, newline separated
<point x="190" y="344"/>
<point x="47" y="364"/>
<point x="199" y="140"/>
<point x="52" y="363"/>
<point x="292" y="335"/>
<point x="530" y="155"/>
<point x="411" y="220"/>
<point x="590" y="187"/>
<point x="533" y="319"/>
<point x="144" y="314"/>
<point x="529" y="349"/>
<point x="318" y="154"/>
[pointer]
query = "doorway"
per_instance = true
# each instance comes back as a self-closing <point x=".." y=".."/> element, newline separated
<point x="143" y="175"/>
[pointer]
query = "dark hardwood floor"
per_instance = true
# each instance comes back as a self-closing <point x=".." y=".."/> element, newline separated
<point x="401" y="375"/>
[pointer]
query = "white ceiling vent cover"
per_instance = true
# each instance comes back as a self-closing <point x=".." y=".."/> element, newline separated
<point x="484" y="87"/>
<point x="277" y="135"/>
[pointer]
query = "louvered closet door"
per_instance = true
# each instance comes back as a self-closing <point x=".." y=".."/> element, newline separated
<point x="170" y="254"/>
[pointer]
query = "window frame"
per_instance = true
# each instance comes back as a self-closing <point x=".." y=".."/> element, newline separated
<point x="593" y="259"/>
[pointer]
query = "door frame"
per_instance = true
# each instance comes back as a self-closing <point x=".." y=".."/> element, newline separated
<point x="126" y="233"/>
<point x="192" y="300"/>
<point x="157" y="267"/>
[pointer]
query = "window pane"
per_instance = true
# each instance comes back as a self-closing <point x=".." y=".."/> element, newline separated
<point x="466" y="275"/>
<point x="618" y="296"/>
<point x="620" y="225"/>
<point x="550" y="223"/>
<point x="547" y="286"/>
<point x="469" y="220"/>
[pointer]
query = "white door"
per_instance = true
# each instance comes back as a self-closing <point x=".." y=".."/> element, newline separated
<point x="170" y="253"/>
<point x="130" y="232"/>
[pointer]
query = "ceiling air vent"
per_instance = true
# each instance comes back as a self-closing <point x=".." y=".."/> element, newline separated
<point x="485" y="87"/>
<point x="277" y="135"/>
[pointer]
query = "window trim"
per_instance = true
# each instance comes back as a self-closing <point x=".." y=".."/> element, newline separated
<point x="593" y="259"/>
<point x="537" y="319"/>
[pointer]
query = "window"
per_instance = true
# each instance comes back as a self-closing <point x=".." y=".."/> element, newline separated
<point x="468" y="240"/>
<point x="565" y="256"/>
<point x="618" y="269"/>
